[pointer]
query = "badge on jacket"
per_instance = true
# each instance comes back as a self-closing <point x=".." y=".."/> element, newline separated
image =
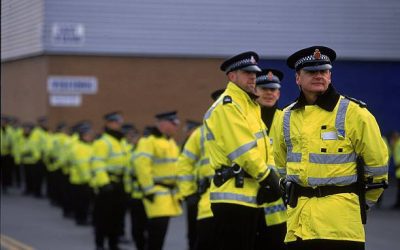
<point x="227" y="99"/>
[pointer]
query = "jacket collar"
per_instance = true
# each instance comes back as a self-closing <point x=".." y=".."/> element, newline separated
<point x="326" y="101"/>
<point x="239" y="91"/>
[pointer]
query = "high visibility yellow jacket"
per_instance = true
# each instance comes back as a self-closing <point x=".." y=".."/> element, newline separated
<point x="155" y="167"/>
<point x="5" y="141"/>
<point x="275" y="212"/>
<point x="27" y="150"/>
<point x="56" y="150"/>
<point x="16" y="133"/>
<point x="396" y="157"/>
<point x="80" y="157"/>
<point x="193" y="166"/>
<point x="317" y="146"/>
<point x="131" y="184"/>
<point x="235" y="133"/>
<point x="42" y="137"/>
<point x="187" y="160"/>
<point x="109" y="160"/>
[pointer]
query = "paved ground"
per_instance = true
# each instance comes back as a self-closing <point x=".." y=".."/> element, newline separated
<point x="29" y="223"/>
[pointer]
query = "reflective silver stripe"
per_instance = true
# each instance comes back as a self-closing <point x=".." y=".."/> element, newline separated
<point x="282" y="171"/>
<point x="293" y="157"/>
<point x="162" y="193"/>
<point x="260" y="134"/>
<point x="147" y="188"/>
<point x="189" y="154"/>
<point x="274" y="209"/>
<point x="233" y="197"/>
<point x="186" y="178"/>
<point x="342" y="180"/>
<point x="341" y="116"/>
<point x="376" y="171"/>
<point x="98" y="159"/>
<point x="116" y="154"/>
<point x="202" y="139"/>
<point x="332" y="158"/>
<point x="94" y="171"/>
<point x="211" y="109"/>
<point x="290" y="157"/>
<point x="163" y="178"/>
<point x="204" y="162"/>
<point x="112" y="168"/>
<point x="241" y="150"/>
<point x="147" y="155"/>
<point x="164" y="160"/>
<point x="293" y="178"/>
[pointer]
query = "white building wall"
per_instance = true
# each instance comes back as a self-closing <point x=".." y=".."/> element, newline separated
<point x="21" y="28"/>
<point x="356" y="29"/>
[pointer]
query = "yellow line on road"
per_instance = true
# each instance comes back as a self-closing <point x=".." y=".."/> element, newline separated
<point x="12" y="244"/>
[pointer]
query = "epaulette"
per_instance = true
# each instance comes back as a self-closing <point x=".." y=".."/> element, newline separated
<point x="227" y="99"/>
<point x="360" y="103"/>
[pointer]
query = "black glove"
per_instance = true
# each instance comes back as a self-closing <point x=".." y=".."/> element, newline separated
<point x="192" y="199"/>
<point x="149" y="197"/>
<point x="269" y="190"/>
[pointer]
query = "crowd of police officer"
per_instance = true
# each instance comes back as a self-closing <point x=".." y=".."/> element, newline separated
<point x="251" y="175"/>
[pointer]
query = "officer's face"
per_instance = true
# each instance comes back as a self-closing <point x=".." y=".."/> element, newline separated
<point x="267" y="96"/>
<point x="313" y="82"/>
<point x="244" y="79"/>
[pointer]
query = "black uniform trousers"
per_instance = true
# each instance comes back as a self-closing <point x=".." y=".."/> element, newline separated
<point x="81" y="196"/>
<point x="236" y="226"/>
<point x="191" y="209"/>
<point x="108" y="215"/>
<point x="6" y="169"/>
<point x="157" y="231"/>
<point x="270" y="237"/>
<point x="205" y="234"/>
<point x="138" y="223"/>
<point x="28" y="178"/>
<point x="325" y="245"/>
<point x="39" y="174"/>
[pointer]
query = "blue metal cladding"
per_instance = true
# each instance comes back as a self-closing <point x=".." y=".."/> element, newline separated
<point x="375" y="83"/>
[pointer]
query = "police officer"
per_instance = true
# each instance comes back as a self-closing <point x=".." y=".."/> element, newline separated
<point x="109" y="165"/>
<point x="6" y="156"/>
<point x="155" y="167"/>
<point x="80" y="156"/>
<point x="27" y="153"/>
<point x="395" y="145"/>
<point x="272" y="230"/>
<point x="239" y="148"/>
<point x="187" y="160"/>
<point x="330" y="147"/>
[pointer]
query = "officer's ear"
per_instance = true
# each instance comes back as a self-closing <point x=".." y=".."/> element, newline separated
<point x="232" y="76"/>
<point x="297" y="76"/>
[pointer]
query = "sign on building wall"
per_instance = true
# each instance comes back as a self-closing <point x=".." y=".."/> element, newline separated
<point x="71" y="85"/>
<point x="65" y="100"/>
<point x="67" y="34"/>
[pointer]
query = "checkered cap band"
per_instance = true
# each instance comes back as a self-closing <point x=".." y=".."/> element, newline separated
<point x="310" y="59"/>
<point x="240" y="64"/>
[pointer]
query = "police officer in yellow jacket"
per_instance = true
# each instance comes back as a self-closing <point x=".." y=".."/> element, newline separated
<point x="331" y="148"/>
<point x="81" y="155"/>
<point x="27" y="153"/>
<point x="395" y="144"/>
<point x="187" y="159"/>
<point x="272" y="230"/>
<point x="155" y="167"/>
<point x="239" y="148"/>
<point x="108" y="167"/>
